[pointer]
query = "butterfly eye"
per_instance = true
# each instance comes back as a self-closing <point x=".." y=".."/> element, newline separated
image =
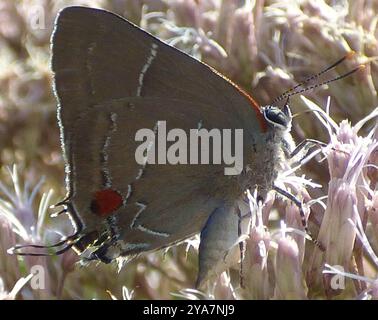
<point x="278" y="117"/>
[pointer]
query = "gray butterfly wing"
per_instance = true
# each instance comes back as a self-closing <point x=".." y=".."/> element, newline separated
<point x="112" y="79"/>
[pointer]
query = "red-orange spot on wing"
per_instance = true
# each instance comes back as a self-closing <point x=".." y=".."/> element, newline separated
<point x="105" y="202"/>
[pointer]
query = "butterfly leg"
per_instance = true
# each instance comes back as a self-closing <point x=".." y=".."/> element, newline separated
<point x="306" y="144"/>
<point x="242" y="249"/>
<point x="298" y="203"/>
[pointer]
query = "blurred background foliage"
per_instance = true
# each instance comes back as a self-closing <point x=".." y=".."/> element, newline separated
<point x="265" y="47"/>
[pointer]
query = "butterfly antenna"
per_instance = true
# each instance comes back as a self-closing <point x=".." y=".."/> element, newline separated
<point x="360" y="67"/>
<point x="287" y="94"/>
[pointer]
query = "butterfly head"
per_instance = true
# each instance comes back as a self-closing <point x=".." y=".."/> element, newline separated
<point x="278" y="119"/>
